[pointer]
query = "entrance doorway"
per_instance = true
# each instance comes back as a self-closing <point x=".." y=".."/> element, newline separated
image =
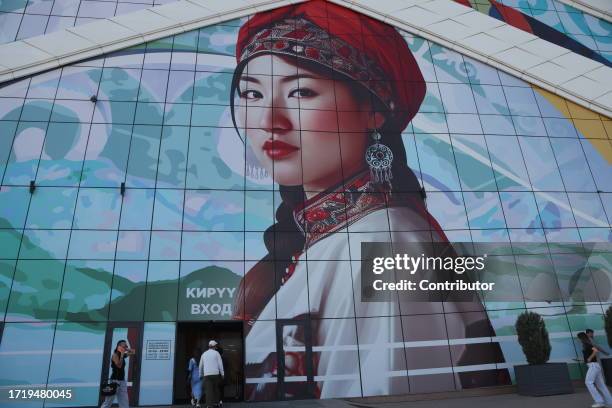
<point x="132" y="334"/>
<point x="194" y="335"/>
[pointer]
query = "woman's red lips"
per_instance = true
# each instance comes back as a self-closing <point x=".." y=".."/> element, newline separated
<point x="275" y="149"/>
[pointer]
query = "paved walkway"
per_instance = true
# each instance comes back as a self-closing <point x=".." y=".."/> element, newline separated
<point x="579" y="399"/>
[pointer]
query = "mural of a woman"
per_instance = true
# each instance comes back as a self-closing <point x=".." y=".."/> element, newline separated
<point x="322" y="94"/>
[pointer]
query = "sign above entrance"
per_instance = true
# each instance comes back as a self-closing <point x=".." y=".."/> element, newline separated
<point x="207" y="291"/>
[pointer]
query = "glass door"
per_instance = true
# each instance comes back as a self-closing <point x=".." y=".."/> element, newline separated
<point x="295" y="373"/>
<point x="132" y="333"/>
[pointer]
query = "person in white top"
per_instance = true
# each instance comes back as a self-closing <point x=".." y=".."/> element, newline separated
<point x="211" y="369"/>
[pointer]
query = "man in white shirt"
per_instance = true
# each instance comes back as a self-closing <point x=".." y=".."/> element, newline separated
<point x="211" y="369"/>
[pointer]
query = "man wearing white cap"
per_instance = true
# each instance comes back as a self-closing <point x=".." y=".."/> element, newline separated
<point x="211" y="368"/>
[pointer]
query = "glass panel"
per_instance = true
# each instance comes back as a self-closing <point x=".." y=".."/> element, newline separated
<point x="473" y="163"/>
<point x="144" y="151"/>
<point x="168" y="210"/>
<point x="78" y="83"/>
<point x="153" y="85"/>
<point x="448" y="209"/>
<point x="214" y="168"/>
<point x="156" y="375"/>
<point x="508" y="164"/>
<point x="162" y="287"/>
<point x="133" y="245"/>
<point x="437" y="162"/>
<point x="7" y="130"/>
<point x="25" y="353"/>
<point x="52" y="208"/>
<point x="7" y="268"/>
<point x="119" y="84"/>
<point x="92" y="244"/>
<point x="213" y="210"/>
<point x="128" y="295"/>
<point x="297" y="362"/>
<point x="573" y="165"/>
<point x="86" y="291"/>
<point x="97" y="208"/>
<point x="220" y="246"/>
<point x="106" y="160"/>
<point x="83" y="343"/>
<point x="44" y="244"/>
<point x="381" y="355"/>
<point x="25" y="153"/>
<point x="427" y="365"/>
<point x="172" y="164"/>
<point x="520" y="210"/>
<point x="165" y="245"/>
<point x="13" y="206"/>
<point x="259" y="210"/>
<point x="596" y="152"/>
<point x="458" y="98"/>
<point x="588" y="210"/>
<point x="36" y="289"/>
<point x="9" y="243"/>
<point x="484" y="210"/>
<point x="137" y="209"/>
<point x="541" y="164"/>
<point x="63" y="153"/>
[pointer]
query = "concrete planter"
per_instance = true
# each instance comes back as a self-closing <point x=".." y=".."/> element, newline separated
<point x="543" y="379"/>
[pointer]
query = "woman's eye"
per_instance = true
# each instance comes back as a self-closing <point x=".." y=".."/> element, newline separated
<point x="302" y="93"/>
<point x="251" y="94"/>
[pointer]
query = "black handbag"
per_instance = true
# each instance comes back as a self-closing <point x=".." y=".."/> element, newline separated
<point x="108" y="388"/>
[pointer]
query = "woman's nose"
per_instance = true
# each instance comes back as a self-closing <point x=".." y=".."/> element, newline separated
<point x="275" y="119"/>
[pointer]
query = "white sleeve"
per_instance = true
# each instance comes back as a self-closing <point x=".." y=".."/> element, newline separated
<point x="220" y="363"/>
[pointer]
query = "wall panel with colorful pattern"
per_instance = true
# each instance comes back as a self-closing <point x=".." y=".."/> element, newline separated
<point x="500" y="161"/>
<point x="554" y="21"/>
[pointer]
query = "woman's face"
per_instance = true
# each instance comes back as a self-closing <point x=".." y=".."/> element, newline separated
<point x="304" y="127"/>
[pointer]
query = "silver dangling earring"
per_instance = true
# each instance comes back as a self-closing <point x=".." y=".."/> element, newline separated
<point x="379" y="158"/>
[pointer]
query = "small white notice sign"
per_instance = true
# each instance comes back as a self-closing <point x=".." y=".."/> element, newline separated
<point x="158" y="350"/>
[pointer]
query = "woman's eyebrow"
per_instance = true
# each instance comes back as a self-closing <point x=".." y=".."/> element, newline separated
<point x="296" y="77"/>
<point x="247" y="78"/>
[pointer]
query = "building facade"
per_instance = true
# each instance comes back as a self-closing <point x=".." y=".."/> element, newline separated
<point x="138" y="200"/>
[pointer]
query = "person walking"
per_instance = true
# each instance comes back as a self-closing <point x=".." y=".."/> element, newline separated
<point x="594" y="378"/>
<point x="211" y="369"/>
<point x="194" y="378"/>
<point x="591" y="335"/>
<point x="122" y="351"/>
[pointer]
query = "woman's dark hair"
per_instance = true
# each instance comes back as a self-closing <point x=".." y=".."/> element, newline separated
<point x="196" y="353"/>
<point x="284" y="238"/>
<point x="118" y="343"/>
<point x="583" y="337"/>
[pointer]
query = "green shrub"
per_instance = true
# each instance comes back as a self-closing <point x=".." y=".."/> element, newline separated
<point x="533" y="337"/>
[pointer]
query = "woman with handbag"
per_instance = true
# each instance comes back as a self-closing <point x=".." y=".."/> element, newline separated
<point x="122" y="351"/>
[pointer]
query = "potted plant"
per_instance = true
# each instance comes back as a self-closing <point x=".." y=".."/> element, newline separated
<point x="606" y="363"/>
<point x="539" y="377"/>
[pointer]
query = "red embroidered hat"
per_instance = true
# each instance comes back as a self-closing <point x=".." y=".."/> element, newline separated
<point x="361" y="48"/>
